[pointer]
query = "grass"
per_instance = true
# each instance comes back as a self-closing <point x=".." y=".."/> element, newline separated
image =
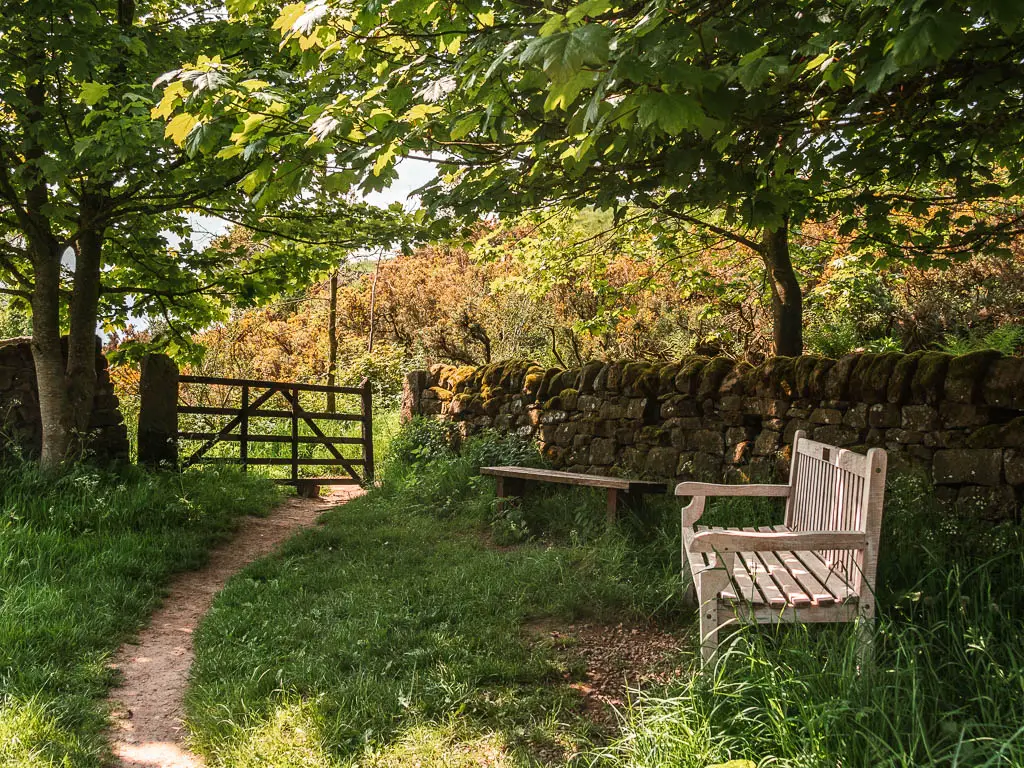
<point x="946" y="687"/>
<point x="83" y="560"/>
<point x="393" y="635"/>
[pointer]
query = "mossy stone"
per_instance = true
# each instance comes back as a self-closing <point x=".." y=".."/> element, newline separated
<point x="569" y="398"/>
<point x="588" y="373"/>
<point x="712" y="375"/>
<point x="667" y="377"/>
<point x="640" y="380"/>
<point x="444" y="395"/>
<point x="874" y="381"/>
<point x="735" y="382"/>
<point x="550" y="376"/>
<point x="929" y="382"/>
<point x="777" y="378"/>
<point x="688" y="378"/>
<point x="804" y="371"/>
<point x="837" y="383"/>
<point x="899" y="389"/>
<point x="965" y="376"/>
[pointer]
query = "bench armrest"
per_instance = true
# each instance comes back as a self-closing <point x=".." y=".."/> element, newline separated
<point x="756" y="541"/>
<point x="701" y="491"/>
<point x="719" y="489"/>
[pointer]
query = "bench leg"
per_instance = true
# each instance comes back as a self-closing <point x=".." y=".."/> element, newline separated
<point x="506" y="487"/>
<point x="709" y="584"/>
<point x="866" y="632"/>
<point x="612" y="509"/>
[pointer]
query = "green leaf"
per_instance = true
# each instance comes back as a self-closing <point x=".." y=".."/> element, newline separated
<point x="1008" y="14"/>
<point x="466" y="126"/>
<point x="93" y="93"/>
<point x="563" y="54"/>
<point x="673" y="113"/>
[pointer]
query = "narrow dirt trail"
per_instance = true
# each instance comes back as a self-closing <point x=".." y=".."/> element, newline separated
<point x="147" y="708"/>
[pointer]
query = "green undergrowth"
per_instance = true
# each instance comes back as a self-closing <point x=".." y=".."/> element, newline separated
<point x="397" y="633"/>
<point x="83" y="560"/>
<point x="945" y="686"/>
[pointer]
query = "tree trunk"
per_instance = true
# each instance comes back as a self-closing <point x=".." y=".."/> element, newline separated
<point x="332" y="341"/>
<point x="787" y="303"/>
<point x="80" y="376"/>
<point x="48" y="357"/>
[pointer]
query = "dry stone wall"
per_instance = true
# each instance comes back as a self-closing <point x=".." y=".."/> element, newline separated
<point x="19" y="406"/>
<point x="960" y="420"/>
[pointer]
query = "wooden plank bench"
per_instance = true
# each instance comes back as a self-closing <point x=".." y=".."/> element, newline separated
<point x="512" y="480"/>
<point x="818" y="567"/>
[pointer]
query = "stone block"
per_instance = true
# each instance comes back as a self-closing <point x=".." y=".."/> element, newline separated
<point x="967" y="466"/>
<point x="899" y="389"/>
<point x="636" y="408"/>
<point x="836" y="435"/>
<point x="734" y="435"/>
<point x="793" y="427"/>
<point x="992" y="504"/>
<point x="707" y="467"/>
<point x="158" y="411"/>
<point x="959" y="415"/>
<point x="966" y="375"/>
<point x="602" y="451"/>
<point x="826" y="416"/>
<point x="739" y="453"/>
<point x="768" y="442"/>
<point x="919" y="418"/>
<point x="565" y="433"/>
<point x="1004" y="384"/>
<point x="837" y="382"/>
<point x="884" y="416"/>
<point x="1013" y="466"/>
<point x="857" y="416"/>
<point x="929" y="382"/>
<point x="661" y="463"/>
<point x="707" y="441"/>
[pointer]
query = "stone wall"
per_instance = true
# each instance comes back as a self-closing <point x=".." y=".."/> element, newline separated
<point x="19" y="406"/>
<point x="960" y="420"/>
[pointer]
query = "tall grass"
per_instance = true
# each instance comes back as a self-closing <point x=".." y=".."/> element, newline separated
<point x="945" y="688"/>
<point x="83" y="559"/>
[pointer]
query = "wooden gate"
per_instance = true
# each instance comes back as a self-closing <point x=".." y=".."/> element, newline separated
<point x="257" y="410"/>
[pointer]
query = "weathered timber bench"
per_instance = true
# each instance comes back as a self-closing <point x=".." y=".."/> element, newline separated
<point x="512" y="480"/>
<point x="818" y="567"/>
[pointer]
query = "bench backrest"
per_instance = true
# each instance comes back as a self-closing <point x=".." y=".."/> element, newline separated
<point x="834" y="489"/>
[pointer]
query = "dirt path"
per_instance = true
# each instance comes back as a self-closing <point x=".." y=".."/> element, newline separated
<point x="147" y="707"/>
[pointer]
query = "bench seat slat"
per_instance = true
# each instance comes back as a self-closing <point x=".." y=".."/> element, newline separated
<point x="575" y="478"/>
<point x="776" y="579"/>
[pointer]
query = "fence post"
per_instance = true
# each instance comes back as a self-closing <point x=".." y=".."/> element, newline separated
<point x="158" y="411"/>
<point x="295" y="435"/>
<point x="366" y="410"/>
<point x="243" y="448"/>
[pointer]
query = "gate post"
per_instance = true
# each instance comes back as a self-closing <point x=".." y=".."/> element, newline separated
<point x="366" y="411"/>
<point x="158" y="411"/>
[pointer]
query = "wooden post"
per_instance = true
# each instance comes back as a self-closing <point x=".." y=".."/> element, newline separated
<point x="507" y="486"/>
<point x="612" y="510"/>
<point x="366" y="410"/>
<point x="332" y="340"/>
<point x="243" y="428"/>
<point x="295" y="436"/>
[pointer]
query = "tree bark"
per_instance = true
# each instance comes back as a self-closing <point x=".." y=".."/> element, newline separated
<point x="787" y="302"/>
<point x="48" y="356"/>
<point x="80" y="375"/>
<point x="332" y="341"/>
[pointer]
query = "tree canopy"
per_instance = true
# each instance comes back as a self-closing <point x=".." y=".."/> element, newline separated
<point x="92" y="186"/>
<point x="743" y="117"/>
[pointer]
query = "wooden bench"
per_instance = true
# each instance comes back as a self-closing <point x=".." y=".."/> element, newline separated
<point x="818" y="567"/>
<point x="512" y="480"/>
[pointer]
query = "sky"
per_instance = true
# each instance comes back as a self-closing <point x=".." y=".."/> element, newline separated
<point x="412" y="174"/>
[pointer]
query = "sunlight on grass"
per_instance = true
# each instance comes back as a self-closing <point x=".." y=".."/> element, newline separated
<point x="30" y="737"/>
